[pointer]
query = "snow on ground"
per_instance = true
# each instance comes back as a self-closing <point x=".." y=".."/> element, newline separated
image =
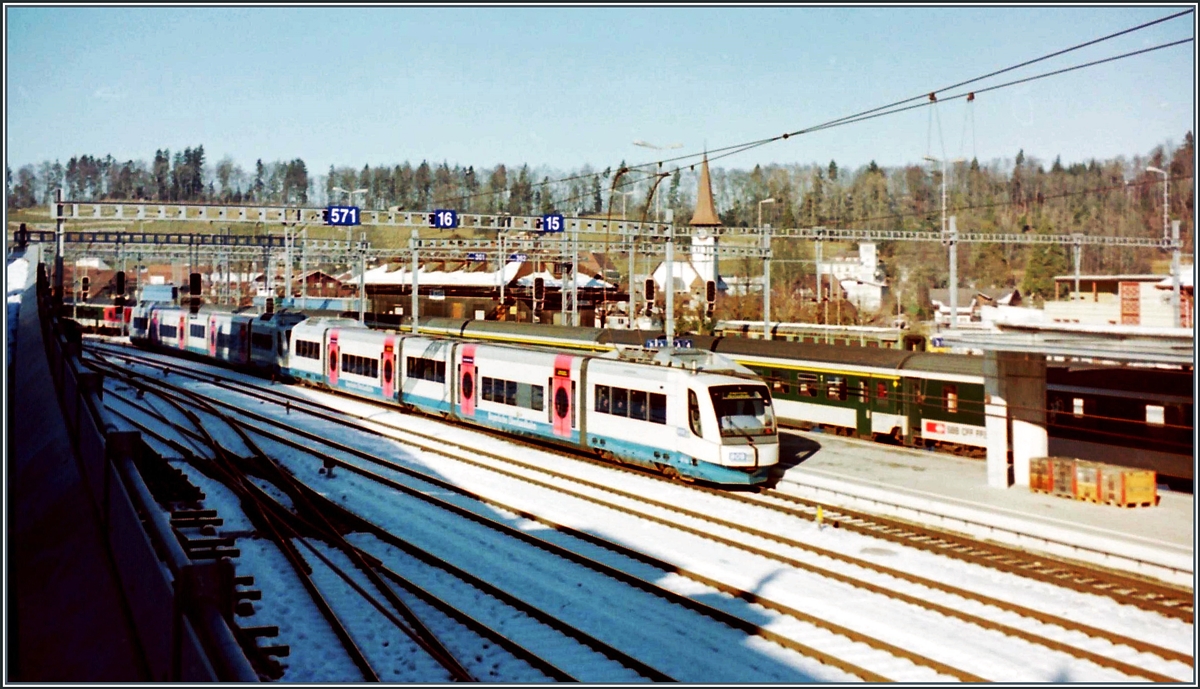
<point x="384" y="507"/>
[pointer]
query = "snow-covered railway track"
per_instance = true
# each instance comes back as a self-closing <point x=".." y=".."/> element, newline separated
<point x="893" y="584"/>
<point x="327" y="573"/>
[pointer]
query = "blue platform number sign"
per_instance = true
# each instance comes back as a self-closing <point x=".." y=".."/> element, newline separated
<point x="476" y="256"/>
<point x="445" y="219"/>
<point x="678" y="343"/>
<point x="519" y="258"/>
<point x="342" y="215"/>
<point x="553" y="223"/>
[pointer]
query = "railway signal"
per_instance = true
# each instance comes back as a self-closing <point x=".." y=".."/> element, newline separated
<point x="194" y="292"/>
<point x="710" y="296"/>
<point x="84" y="291"/>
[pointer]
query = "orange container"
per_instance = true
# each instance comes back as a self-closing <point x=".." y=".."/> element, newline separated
<point x="1063" y="474"/>
<point x="1041" y="474"/>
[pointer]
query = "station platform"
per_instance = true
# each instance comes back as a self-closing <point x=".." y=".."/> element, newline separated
<point x="952" y="492"/>
<point x="67" y="620"/>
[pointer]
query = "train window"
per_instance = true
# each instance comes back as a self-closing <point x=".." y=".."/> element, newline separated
<point x="835" y="388"/>
<point x="873" y="343"/>
<point x="602" y="399"/>
<point x="308" y="350"/>
<point x="881" y="391"/>
<point x="139" y="323"/>
<point x="951" y="393"/>
<point x="486" y="391"/>
<point x="260" y="340"/>
<point x="1155" y="414"/>
<point x="694" y="413"/>
<point x="167" y="331"/>
<point x="1077" y="405"/>
<point x="637" y="405"/>
<point x="510" y="393"/>
<point x="862" y="391"/>
<point x="658" y="408"/>
<point x="536" y="397"/>
<point x="374" y="368"/>
<point x="808" y="384"/>
<point x="196" y="330"/>
<point x="620" y="405"/>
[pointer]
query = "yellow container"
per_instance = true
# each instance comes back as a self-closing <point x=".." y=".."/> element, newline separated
<point x="1087" y="481"/>
<point x="1129" y="487"/>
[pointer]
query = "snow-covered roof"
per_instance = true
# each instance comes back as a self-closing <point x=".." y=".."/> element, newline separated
<point x="582" y="281"/>
<point x="459" y="278"/>
<point x="1186" y="281"/>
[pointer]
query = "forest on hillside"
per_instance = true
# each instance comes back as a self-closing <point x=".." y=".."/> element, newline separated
<point x="1116" y="197"/>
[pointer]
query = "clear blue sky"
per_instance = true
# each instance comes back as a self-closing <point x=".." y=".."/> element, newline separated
<point x="568" y="86"/>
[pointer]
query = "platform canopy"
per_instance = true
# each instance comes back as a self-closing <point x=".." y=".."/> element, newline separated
<point x="1128" y="344"/>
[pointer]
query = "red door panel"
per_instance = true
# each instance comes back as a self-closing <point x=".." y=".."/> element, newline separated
<point x="560" y="396"/>
<point x="212" y="336"/>
<point x="332" y="365"/>
<point x="183" y="333"/>
<point x="466" y="382"/>
<point x="389" y="366"/>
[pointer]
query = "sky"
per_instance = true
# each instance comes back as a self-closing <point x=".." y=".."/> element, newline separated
<point x="566" y="86"/>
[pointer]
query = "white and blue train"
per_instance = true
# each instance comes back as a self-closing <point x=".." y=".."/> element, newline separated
<point x="690" y="415"/>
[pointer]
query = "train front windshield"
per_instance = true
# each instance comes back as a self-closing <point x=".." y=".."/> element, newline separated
<point x="743" y="410"/>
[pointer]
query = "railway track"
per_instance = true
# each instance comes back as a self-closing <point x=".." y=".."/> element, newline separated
<point x="800" y="510"/>
<point x="1132" y="590"/>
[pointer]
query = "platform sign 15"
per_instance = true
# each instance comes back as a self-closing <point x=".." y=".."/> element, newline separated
<point x="553" y="223"/>
<point x="342" y="215"/>
<point x="476" y="256"/>
<point x="444" y="219"/>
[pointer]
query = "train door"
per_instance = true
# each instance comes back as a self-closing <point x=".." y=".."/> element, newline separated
<point x="466" y="381"/>
<point x="332" y="365"/>
<point x="914" y="398"/>
<point x="152" y="334"/>
<point x="243" y="339"/>
<point x="183" y="331"/>
<point x="389" y="366"/>
<point x="562" y="397"/>
<point x="212" y="336"/>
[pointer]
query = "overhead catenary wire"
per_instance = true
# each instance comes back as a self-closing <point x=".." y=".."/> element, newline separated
<point x="890" y="108"/>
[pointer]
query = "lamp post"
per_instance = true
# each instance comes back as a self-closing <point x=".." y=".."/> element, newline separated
<point x="1165" y="199"/>
<point x="766" y="244"/>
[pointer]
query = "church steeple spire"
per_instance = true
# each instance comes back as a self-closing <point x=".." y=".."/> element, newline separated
<point x="706" y="210"/>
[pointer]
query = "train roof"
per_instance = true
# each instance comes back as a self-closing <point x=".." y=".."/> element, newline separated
<point x="807" y="351"/>
<point x="961" y="364"/>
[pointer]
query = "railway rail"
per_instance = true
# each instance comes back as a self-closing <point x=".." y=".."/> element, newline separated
<point x="965" y="549"/>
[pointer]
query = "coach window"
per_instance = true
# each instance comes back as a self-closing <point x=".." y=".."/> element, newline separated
<point x="862" y="391"/>
<point x="620" y="406"/>
<point x="836" y="388"/>
<point x="694" y="413"/>
<point x="1077" y="406"/>
<point x="881" y="391"/>
<point x="602" y="400"/>
<point x="536" y="397"/>
<point x="485" y="391"/>
<point x="658" y="408"/>
<point x="808" y="384"/>
<point x="951" y="392"/>
<point x="637" y="405"/>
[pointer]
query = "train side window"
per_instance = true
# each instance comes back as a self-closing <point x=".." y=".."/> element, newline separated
<point x="808" y="384"/>
<point x="951" y="393"/>
<point x="637" y="405"/>
<point x="658" y="408"/>
<point x="1077" y="407"/>
<point x="694" y="413"/>
<point x="374" y="368"/>
<point x="602" y="399"/>
<point x="485" y="392"/>
<point x="510" y="393"/>
<point x="620" y="402"/>
<point x="881" y="391"/>
<point x="836" y="388"/>
<point x="1155" y="414"/>
<point x="537" y="396"/>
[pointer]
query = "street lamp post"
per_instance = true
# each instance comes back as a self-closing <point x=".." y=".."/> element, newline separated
<point x="766" y="244"/>
<point x="632" y="257"/>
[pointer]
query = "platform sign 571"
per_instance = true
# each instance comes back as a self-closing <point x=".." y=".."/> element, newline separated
<point x="342" y="215"/>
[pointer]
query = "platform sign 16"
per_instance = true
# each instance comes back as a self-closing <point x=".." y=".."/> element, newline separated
<point x="553" y="223"/>
<point x="444" y="219"/>
<point x="342" y="215"/>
